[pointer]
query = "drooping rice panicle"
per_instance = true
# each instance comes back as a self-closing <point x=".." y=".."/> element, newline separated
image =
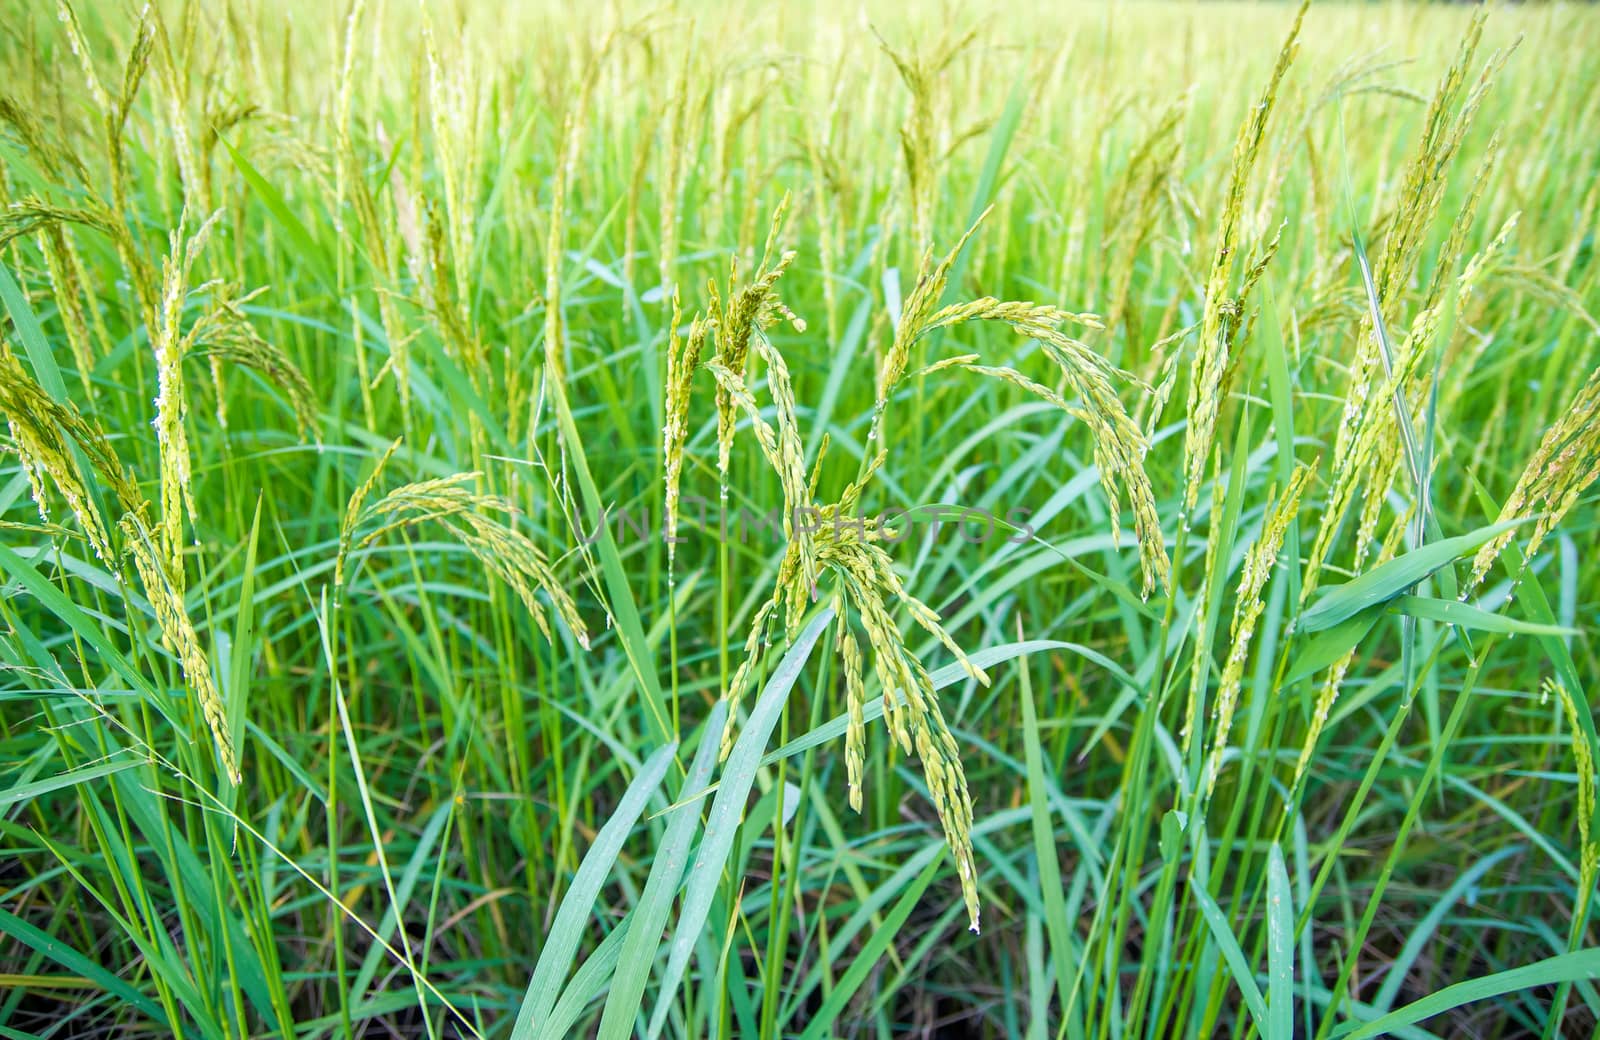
<point x="1583" y="755"/>
<point x="43" y="433"/>
<point x="224" y="333"/>
<point x="1259" y="563"/>
<point x="1566" y="462"/>
<point x="503" y="550"/>
<point x="1119" y="444"/>
<point x="178" y="632"/>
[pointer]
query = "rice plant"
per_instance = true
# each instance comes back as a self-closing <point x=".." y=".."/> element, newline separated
<point x="785" y="521"/>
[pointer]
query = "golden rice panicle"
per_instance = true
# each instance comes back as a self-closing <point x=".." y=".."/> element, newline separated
<point x="683" y="358"/>
<point x="452" y="109"/>
<point x="178" y="633"/>
<point x="36" y="424"/>
<point x="1120" y="448"/>
<point x="1455" y="244"/>
<point x="555" y="346"/>
<point x="1566" y="462"/>
<point x="790" y="462"/>
<point x="224" y="333"/>
<point x="169" y="343"/>
<point x="1583" y="762"/>
<point x="43" y="432"/>
<point x="782" y="448"/>
<point x="918" y="726"/>
<point x="1222" y="312"/>
<point x="67" y="284"/>
<point x="1258" y="566"/>
<point x="500" y="548"/>
<point x="141" y="275"/>
<point x="866" y="584"/>
<point x="1366" y="459"/>
<point x="672" y="165"/>
<point x="1200" y="662"/>
<point x="917" y="318"/>
<point x="920" y="142"/>
<point x="345" y="100"/>
<point x="1165" y="353"/>
<point x="43" y="148"/>
<point x="1417" y="212"/>
<point x="1449" y="116"/>
<point x="354" y="510"/>
<point x="84" y="55"/>
<point x="1327" y="694"/>
<point x="1421" y="194"/>
<point x="1582" y="756"/>
<point x="739" y="684"/>
<point x="1364" y="451"/>
<point x="1141" y="202"/>
<point x="29" y="214"/>
<point x="1119" y="444"/>
<point x="855" y="742"/>
<point x="741" y="314"/>
<point x="450" y="310"/>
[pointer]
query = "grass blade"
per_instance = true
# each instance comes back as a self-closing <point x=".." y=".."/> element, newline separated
<point x="727" y="809"/>
<point x="566" y="931"/>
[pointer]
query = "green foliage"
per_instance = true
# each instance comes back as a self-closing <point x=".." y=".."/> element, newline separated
<point x="470" y="568"/>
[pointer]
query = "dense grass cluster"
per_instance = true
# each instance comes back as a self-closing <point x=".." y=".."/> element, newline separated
<point x="645" y="521"/>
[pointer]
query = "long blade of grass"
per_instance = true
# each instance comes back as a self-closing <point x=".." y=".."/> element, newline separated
<point x="566" y="931"/>
<point x="1238" y="965"/>
<point x="1566" y="967"/>
<point x="727" y="809"/>
<point x="644" y="931"/>
<point x="1280" y="949"/>
<point x="1388" y="580"/>
<point x="872" y="952"/>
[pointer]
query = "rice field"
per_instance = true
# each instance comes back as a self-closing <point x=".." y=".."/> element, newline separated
<point x="798" y="520"/>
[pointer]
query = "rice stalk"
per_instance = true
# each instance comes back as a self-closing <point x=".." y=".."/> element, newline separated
<point x="1566" y="462"/>
<point x="1223" y="313"/>
<point x="1259" y="563"/>
<point x="44" y="433"/>
<point x="1584" y="766"/>
<point x="169" y="342"/>
<point x="504" y="551"/>
<point x="683" y="358"/>
<point x="178" y="633"/>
